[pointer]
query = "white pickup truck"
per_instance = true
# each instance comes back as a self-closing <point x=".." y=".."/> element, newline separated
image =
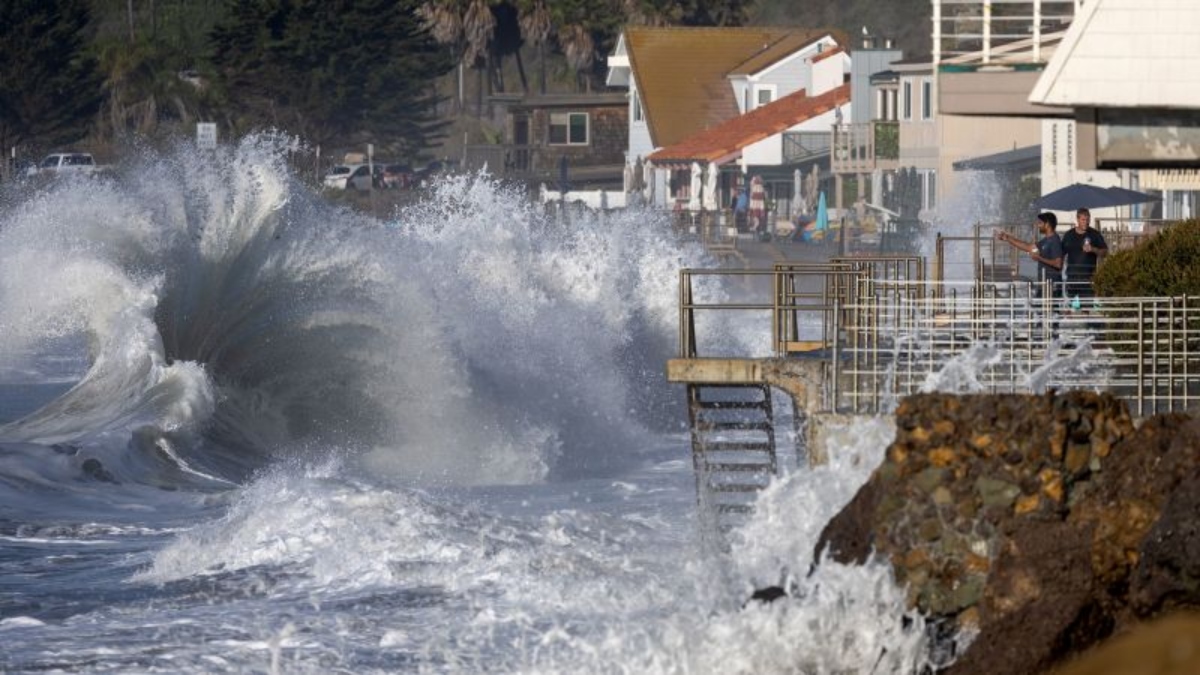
<point x="61" y="163"/>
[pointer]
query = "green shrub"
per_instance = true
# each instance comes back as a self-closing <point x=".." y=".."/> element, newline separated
<point x="1165" y="265"/>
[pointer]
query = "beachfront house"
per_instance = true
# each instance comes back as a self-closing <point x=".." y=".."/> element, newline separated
<point x="1126" y="74"/>
<point x="551" y="137"/>
<point x="709" y="106"/>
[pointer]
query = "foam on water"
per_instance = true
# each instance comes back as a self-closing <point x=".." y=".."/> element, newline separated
<point x="450" y="435"/>
<point x="472" y="340"/>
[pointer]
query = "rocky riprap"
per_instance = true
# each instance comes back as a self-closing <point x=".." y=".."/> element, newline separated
<point x="1043" y="523"/>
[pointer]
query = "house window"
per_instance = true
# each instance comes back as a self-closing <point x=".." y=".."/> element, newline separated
<point x="763" y="96"/>
<point x="569" y="128"/>
<point x="906" y="101"/>
<point x="637" y="107"/>
<point x="926" y="100"/>
<point x="931" y="190"/>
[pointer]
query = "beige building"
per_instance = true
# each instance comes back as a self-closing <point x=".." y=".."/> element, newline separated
<point x="1128" y="72"/>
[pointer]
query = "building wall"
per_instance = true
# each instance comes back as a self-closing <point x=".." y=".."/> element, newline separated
<point x="962" y="137"/>
<point x="1060" y="158"/>
<point x="919" y="144"/>
<point x="789" y="76"/>
<point x="769" y="151"/>
<point x="640" y="144"/>
<point x="866" y="63"/>
<point x="607" y="130"/>
<point x="829" y="73"/>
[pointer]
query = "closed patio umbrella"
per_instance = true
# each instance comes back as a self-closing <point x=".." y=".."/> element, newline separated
<point x="798" y="206"/>
<point x="710" y="186"/>
<point x="758" y="204"/>
<point x="695" y="187"/>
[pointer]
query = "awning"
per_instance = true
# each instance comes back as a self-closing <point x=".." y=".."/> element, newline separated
<point x="1020" y="160"/>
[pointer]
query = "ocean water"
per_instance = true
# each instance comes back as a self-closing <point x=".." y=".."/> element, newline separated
<point x="244" y="430"/>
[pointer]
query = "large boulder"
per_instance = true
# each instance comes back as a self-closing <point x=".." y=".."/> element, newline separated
<point x="1043" y="524"/>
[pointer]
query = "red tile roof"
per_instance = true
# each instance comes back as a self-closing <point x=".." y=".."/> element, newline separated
<point x="730" y="137"/>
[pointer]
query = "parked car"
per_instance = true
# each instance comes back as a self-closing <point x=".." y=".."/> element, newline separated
<point x="397" y="176"/>
<point x="432" y="169"/>
<point x="352" y="176"/>
<point x="60" y="163"/>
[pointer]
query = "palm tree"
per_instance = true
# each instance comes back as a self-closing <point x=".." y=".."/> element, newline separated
<point x="467" y="26"/>
<point x="536" y="26"/>
<point x="578" y="46"/>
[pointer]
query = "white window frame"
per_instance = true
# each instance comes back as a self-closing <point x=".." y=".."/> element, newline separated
<point x="760" y="89"/>
<point x="587" y="128"/>
<point x="906" y="96"/>
<point x="926" y="99"/>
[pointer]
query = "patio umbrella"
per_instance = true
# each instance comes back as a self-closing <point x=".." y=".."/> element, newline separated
<point x="810" y="187"/>
<point x="710" y="186"/>
<point x="822" y="212"/>
<point x="694" y="194"/>
<point x="815" y="230"/>
<point x="798" y="205"/>
<point x="758" y="203"/>
<point x="1083" y="196"/>
<point x="1133" y="196"/>
<point x="648" y="181"/>
<point x="629" y="177"/>
<point x="639" y="175"/>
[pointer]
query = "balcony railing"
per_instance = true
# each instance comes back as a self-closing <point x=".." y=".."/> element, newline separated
<point x="866" y="147"/>
<point x="801" y="145"/>
<point x="501" y="160"/>
<point x="981" y="32"/>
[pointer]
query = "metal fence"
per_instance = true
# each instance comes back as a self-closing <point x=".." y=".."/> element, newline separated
<point x="885" y="332"/>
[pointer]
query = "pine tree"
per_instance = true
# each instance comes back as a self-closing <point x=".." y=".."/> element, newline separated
<point x="49" y="86"/>
<point x="337" y="73"/>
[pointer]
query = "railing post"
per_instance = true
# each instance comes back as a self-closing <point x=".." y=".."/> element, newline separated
<point x="835" y="354"/>
<point x="1141" y="357"/>
<point x="987" y="31"/>
<point x="1187" y="332"/>
<point x="1037" y="34"/>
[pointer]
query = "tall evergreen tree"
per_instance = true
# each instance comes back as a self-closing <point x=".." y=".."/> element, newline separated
<point x="338" y="73"/>
<point x="49" y="86"/>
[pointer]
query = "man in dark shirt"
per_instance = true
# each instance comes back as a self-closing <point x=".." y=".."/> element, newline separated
<point x="1083" y="246"/>
<point x="1048" y="251"/>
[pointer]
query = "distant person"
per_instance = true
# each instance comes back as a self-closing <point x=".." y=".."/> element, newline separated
<point x="741" y="208"/>
<point x="1083" y="247"/>
<point x="1047" y="252"/>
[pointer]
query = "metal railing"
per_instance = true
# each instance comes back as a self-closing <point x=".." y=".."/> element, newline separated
<point x="884" y="332"/>
<point x="998" y="31"/>
<point x="1123" y="233"/>
<point x="802" y="145"/>
<point x="866" y="146"/>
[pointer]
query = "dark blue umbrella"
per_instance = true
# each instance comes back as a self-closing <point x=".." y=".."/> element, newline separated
<point x="1082" y="196"/>
<point x="1133" y="196"/>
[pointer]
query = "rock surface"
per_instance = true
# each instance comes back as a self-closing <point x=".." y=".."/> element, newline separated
<point x="1045" y="523"/>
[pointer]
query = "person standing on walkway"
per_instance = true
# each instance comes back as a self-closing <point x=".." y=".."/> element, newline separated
<point x="1047" y="252"/>
<point x="1083" y="247"/>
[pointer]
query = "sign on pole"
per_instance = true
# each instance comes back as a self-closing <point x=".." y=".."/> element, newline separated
<point x="206" y="135"/>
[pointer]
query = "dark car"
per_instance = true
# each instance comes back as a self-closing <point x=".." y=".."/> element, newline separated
<point x="432" y="169"/>
<point x="397" y="176"/>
